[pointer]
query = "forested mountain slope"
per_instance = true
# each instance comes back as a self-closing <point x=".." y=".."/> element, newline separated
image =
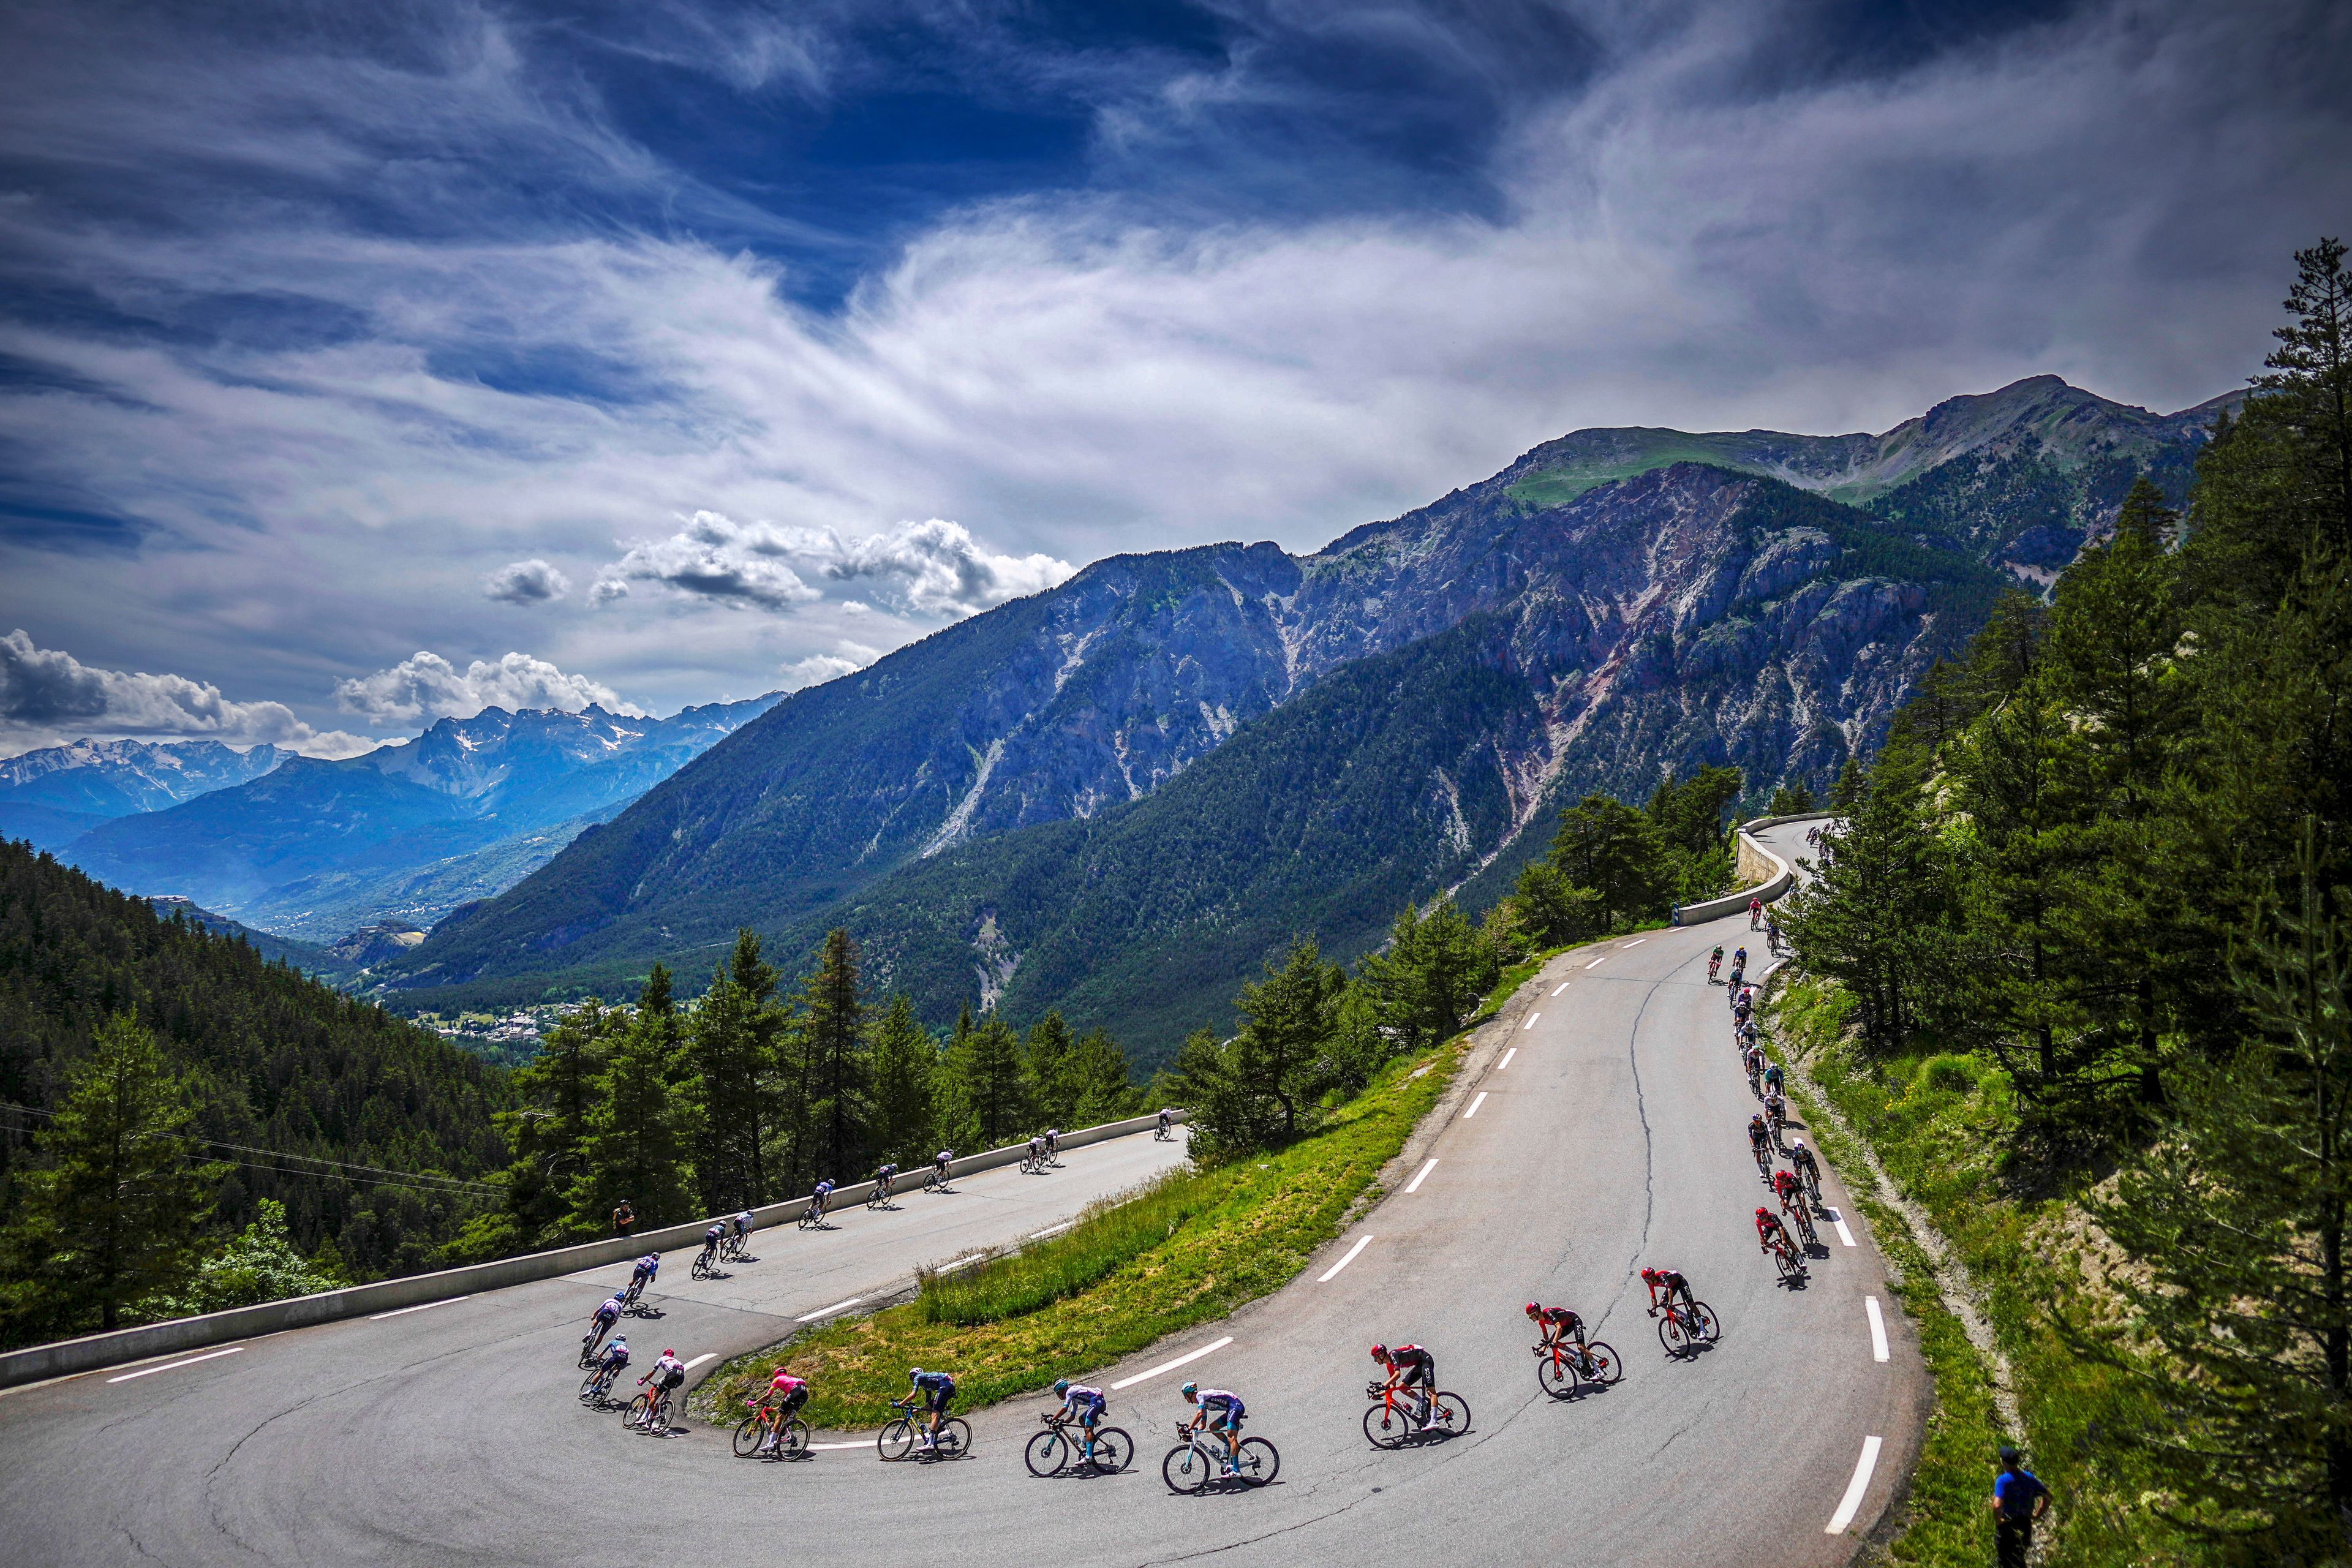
<point x="56" y="794"/>
<point x="274" y="1061"/>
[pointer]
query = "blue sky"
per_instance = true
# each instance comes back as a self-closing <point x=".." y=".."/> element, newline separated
<point x="359" y="364"/>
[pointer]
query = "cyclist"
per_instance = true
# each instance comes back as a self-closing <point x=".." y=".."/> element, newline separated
<point x="785" y="1395"/>
<point x="1802" y="1157"/>
<point x="642" y="1275"/>
<point x="1753" y="1059"/>
<point x="1410" y="1366"/>
<point x="1667" y="1286"/>
<point x="1759" y="1137"/>
<point x="1742" y="1009"/>
<point x="819" y="1199"/>
<point x="1713" y="962"/>
<point x="884" y="1180"/>
<point x="1771" y="1236"/>
<point x="1748" y="1033"/>
<point x="600" y="1322"/>
<point x="609" y="1364"/>
<point x="1053" y="1142"/>
<point x="936" y="1389"/>
<point x="1755" y="914"/>
<point x="1225" y="1422"/>
<point x="1036" y="1150"/>
<point x="1773" y="1081"/>
<point x="1560" y="1326"/>
<point x="1772" y="933"/>
<point x="1791" y="1188"/>
<point x="939" y="1162"/>
<point x="1776" y="1111"/>
<point x="1167" y="1122"/>
<point x="664" y="1375"/>
<point x="1083" y="1405"/>
<point x="742" y="1230"/>
<point x="711" y="1241"/>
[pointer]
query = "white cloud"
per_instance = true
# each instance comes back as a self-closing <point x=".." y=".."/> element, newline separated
<point x="937" y="568"/>
<point x="46" y="695"/>
<point x="531" y="581"/>
<point x="425" y="687"/>
<point x="848" y="659"/>
<point x="715" y="559"/>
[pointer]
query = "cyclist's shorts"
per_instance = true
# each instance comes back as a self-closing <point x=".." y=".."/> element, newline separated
<point x="1419" y="1372"/>
<point x="794" y="1400"/>
<point x="671" y="1380"/>
<point x="1228" y="1421"/>
<point x="1093" y="1412"/>
<point x="940" y="1398"/>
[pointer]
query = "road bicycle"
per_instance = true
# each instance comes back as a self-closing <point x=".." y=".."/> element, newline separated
<point x="1164" y="1133"/>
<point x="705" y="1264"/>
<point x="1763" y="1154"/>
<point x="1057" y="1449"/>
<point x="879" y="1198"/>
<point x="1713" y="967"/>
<point x="936" y="1181"/>
<point x="1560" y="1368"/>
<point x="1686" y="1328"/>
<point x="898" y="1439"/>
<point x="1031" y="1164"/>
<point x="650" y="1411"/>
<point x="597" y="1389"/>
<point x="1390" y="1422"/>
<point x="791" y="1442"/>
<point x="734" y="1249"/>
<point x="1199" y="1458"/>
<point x="1812" y="1181"/>
<point x="591" y="1344"/>
<point x="812" y="1218"/>
<point x="1785" y="1258"/>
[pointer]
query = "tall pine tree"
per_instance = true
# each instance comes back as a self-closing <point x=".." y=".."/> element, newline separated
<point x="906" y="1070"/>
<point x="637" y="1149"/>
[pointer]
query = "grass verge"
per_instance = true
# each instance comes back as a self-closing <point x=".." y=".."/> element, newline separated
<point x="1192" y="1247"/>
<point x="1933" y="1120"/>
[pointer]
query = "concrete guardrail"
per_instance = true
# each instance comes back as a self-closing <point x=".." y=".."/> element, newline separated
<point x="66" y="1357"/>
<point x="1781" y="880"/>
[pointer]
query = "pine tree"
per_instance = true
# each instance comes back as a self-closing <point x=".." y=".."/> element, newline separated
<point x="558" y="1092"/>
<point x="1618" y="852"/>
<point x="905" y="1065"/>
<point x="1433" y="973"/>
<point x="636" y="1146"/>
<point x="1046" y="1060"/>
<point x="114" y="1214"/>
<point x="2236" y="1222"/>
<point x="1552" y="910"/>
<point x="1099" y="1086"/>
<point x="730" y="1051"/>
<point x="1273" y="1060"/>
<point x="991" y="1091"/>
<point x="834" y="1040"/>
<point x="1791" y="799"/>
<point x="2311" y="373"/>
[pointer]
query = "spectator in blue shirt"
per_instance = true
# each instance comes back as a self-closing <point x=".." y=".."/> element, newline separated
<point x="2019" y="1498"/>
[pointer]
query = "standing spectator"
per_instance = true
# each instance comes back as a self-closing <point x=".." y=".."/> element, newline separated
<point x="2019" y="1498"/>
<point x="623" y="1218"/>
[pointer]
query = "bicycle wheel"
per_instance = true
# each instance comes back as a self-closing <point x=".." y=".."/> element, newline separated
<point x="588" y="1389"/>
<point x="1673" y="1335"/>
<point x="1786" y="1262"/>
<point x="1556" y="1375"/>
<point x="1114" y="1450"/>
<point x="955" y="1439"/>
<point x="1185" y="1469"/>
<point x="1386" y="1427"/>
<point x="748" y="1433"/>
<point x="1710" y="1328"/>
<point x="1259" y="1462"/>
<point x="1046" y="1454"/>
<point x="1449" y="1415"/>
<point x="1606" y="1368"/>
<point x="587" y="1356"/>
<point x="896" y="1440"/>
<point x="641" y="1410"/>
<point x="794" y="1441"/>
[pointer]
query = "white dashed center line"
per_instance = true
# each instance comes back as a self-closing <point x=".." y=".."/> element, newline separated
<point x="1530" y="1023"/>
<point x="1333" y="1272"/>
<point x="1838" y="1220"/>
<point x="1850" y="1504"/>
<point x="1562" y="985"/>
<point x="1506" y="1058"/>
<point x="1188" y="1355"/>
<point x="1421" y="1177"/>
<point x="1474" y="1105"/>
<point x="1637" y="942"/>
<point x="401" y="1312"/>
<point x="1598" y="961"/>
<point x="1877" y="1328"/>
<point x="828" y="1312"/>
<point x="175" y="1366"/>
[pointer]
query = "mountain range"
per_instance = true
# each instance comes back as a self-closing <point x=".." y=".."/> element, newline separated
<point x="314" y="849"/>
<point x="1118" y="796"/>
<point x="54" y="795"/>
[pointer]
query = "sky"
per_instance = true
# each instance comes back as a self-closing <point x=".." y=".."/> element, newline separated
<point x="365" y="365"/>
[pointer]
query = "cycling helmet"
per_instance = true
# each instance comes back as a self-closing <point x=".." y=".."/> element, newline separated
<point x="669" y="1352"/>
<point x="1380" y="1352"/>
<point x="1533" y="1309"/>
<point x="1190" y="1390"/>
<point x="1796" y="1142"/>
<point x="1061" y="1385"/>
<point x="1763" y="1213"/>
<point x="1752" y="1121"/>
<point x="620" y="1342"/>
<point x="914" y="1373"/>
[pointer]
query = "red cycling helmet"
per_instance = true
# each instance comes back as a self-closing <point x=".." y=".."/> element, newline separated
<point x="1649" y="1275"/>
<point x="1533" y="1310"/>
<point x="1763" y="1213"/>
<point x="1380" y="1352"/>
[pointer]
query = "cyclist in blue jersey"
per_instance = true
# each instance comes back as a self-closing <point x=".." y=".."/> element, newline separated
<point x="937" y="1390"/>
<point x="1222" y="1412"/>
<point x="1083" y="1405"/>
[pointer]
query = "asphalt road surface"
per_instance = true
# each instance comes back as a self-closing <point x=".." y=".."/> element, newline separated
<point x="1597" y="1127"/>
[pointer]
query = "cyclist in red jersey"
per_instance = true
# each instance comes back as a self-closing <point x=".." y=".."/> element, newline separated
<point x="1791" y="1188"/>
<point x="1410" y="1367"/>
<point x="1666" y="1286"/>
<point x="1770" y="1233"/>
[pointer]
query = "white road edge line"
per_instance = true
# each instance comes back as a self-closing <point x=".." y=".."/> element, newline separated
<point x="1180" y="1361"/>
<point x="1414" y="1185"/>
<point x="697" y="1361"/>
<point x="1851" y="1503"/>
<point x="1877" y="1328"/>
<point x="1331" y="1273"/>
<point x="1474" y="1105"/>
<point x="951" y="1268"/>
<point x="1506" y="1058"/>
<point x="1838" y="1220"/>
<point x="829" y="1311"/>
<point x="1052" y="1230"/>
<point x="1598" y="961"/>
<point x="398" y="1311"/>
<point x="828" y="1447"/>
<point x="175" y="1366"/>
<point x="1530" y="1023"/>
<point x="1558" y="988"/>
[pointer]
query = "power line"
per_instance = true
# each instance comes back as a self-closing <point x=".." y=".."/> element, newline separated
<point x="373" y="1175"/>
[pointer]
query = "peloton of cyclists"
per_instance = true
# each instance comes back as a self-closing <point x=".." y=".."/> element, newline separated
<point x="1222" y="1413"/>
<point x="1413" y="1368"/>
<point x="937" y="1390"/>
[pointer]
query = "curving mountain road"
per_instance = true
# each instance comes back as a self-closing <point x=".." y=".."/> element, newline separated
<point x="1597" y="1126"/>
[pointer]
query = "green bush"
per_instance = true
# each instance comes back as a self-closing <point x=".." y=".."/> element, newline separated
<point x="1948" y="1075"/>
